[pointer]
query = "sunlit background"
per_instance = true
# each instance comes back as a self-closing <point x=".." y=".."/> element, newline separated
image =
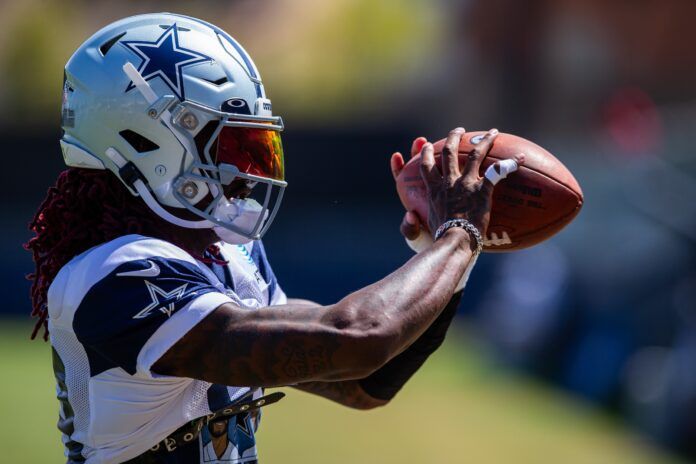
<point x="582" y="349"/>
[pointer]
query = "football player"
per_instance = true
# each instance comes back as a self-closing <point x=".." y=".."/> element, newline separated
<point x="164" y="316"/>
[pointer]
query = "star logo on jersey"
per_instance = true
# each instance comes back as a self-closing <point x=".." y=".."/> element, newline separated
<point x="165" y="58"/>
<point x="161" y="301"/>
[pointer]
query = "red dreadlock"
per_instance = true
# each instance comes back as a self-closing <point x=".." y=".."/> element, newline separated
<point x="84" y="209"/>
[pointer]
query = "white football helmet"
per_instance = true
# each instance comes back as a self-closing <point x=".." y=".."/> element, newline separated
<point x="175" y="108"/>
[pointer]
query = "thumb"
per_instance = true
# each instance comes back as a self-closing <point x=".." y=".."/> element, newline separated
<point x="410" y="226"/>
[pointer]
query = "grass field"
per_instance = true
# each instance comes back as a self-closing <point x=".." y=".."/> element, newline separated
<point x="458" y="409"/>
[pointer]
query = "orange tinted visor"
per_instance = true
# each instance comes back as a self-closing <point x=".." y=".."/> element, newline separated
<point x="252" y="150"/>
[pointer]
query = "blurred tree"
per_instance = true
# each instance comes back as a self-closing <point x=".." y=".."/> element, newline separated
<point x="341" y="59"/>
<point x="345" y="58"/>
<point x="39" y="42"/>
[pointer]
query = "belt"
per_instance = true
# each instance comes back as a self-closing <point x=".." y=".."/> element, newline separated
<point x="191" y="430"/>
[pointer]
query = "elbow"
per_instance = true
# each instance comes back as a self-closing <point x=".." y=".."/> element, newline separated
<point x="370" y="352"/>
<point x="367" y="347"/>
<point x="368" y="404"/>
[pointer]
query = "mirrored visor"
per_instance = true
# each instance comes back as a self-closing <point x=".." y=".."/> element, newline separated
<point x="252" y="150"/>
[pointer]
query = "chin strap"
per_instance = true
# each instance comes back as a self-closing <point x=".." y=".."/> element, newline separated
<point x="163" y="115"/>
<point x="136" y="181"/>
<point x="132" y="177"/>
<point x="140" y="83"/>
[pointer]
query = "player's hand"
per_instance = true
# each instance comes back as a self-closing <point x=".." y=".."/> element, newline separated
<point x="455" y="194"/>
<point x="410" y="225"/>
<point x="467" y="189"/>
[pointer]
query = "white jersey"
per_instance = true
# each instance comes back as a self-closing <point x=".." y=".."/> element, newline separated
<point x="113" y="312"/>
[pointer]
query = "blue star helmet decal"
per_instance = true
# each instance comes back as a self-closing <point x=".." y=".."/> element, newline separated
<point x="164" y="58"/>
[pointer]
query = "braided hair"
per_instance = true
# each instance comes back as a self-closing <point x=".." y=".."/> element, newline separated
<point x="83" y="209"/>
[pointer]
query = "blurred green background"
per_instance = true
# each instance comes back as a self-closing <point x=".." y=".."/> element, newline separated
<point x="581" y="349"/>
<point x="459" y="408"/>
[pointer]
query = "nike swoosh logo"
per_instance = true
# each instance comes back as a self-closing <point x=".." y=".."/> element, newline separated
<point x="152" y="271"/>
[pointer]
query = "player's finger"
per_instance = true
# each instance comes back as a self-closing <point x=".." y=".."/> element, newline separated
<point x="429" y="172"/>
<point x="500" y="170"/>
<point x="397" y="164"/>
<point x="417" y="145"/>
<point x="450" y="155"/>
<point x="481" y="149"/>
<point x="410" y="226"/>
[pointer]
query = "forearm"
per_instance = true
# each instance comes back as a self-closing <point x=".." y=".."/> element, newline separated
<point x="385" y="383"/>
<point x="404" y="304"/>
<point x="345" y="392"/>
<point x="351" y="339"/>
<point x="298" y="343"/>
<point x="381" y="386"/>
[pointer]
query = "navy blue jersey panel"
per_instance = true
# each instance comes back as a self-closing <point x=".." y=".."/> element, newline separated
<point x="97" y="363"/>
<point x="258" y="254"/>
<point x="122" y="311"/>
<point x="222" y="272"/>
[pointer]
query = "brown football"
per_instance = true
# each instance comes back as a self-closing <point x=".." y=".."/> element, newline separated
<point x="529" y="206"/>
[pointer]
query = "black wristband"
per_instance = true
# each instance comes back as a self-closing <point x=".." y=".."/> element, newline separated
<point x="385" y="382"/>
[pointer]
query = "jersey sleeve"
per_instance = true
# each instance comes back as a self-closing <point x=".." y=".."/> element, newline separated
<point x="276" y="296"/>
<point x="141" y="308"/>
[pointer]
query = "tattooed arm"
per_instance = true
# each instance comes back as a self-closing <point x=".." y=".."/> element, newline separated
<point x="291" y="344"/>
<point x="298" y="343"/>
<point x="383" y="384"/>
<point x="346" y="392"/>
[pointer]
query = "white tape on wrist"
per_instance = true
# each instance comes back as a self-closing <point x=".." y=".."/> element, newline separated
<point x="506" y="167"/>
<point x="423" y="241"/>
<point x="467" y="273"/>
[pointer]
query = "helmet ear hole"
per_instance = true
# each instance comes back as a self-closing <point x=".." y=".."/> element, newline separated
<point x="139" y="143"/>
